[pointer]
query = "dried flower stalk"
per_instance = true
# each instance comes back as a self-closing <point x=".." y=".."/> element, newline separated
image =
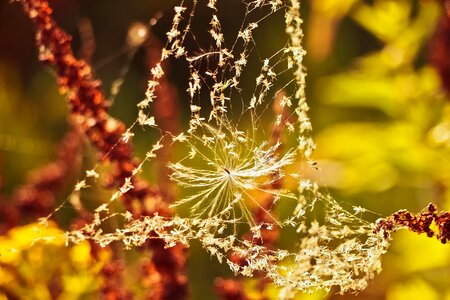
<point x="36" y="197"/>
<point x="420" y="223"/>
<point x="89" y="110"/>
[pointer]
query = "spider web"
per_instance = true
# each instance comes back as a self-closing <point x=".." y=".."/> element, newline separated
<point x="247" y="148"/>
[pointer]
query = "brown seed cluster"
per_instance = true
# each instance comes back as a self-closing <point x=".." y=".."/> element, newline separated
<point x="36" y="197"/>
<point x="419" y="223"/>
<point x="87" y="102"/>
<point x="175" y="283"/>
<point x="112" y="285"/>
<point x="230" y="289"/>
<point x="89" y="110"/>
<point x="439" y="49"/>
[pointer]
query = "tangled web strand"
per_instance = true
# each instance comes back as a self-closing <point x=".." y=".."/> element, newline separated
<point x="231" y="163"/>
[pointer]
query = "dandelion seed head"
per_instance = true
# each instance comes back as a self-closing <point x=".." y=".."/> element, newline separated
<point x="233" y="168"/>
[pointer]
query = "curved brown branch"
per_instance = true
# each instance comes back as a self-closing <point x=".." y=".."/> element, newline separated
<point x="89" y="110"/>
<point x="36" y="197"/>
<point x="439" y="48"/>
<point x="232" y="289"/>
<point x="420" y="223"/>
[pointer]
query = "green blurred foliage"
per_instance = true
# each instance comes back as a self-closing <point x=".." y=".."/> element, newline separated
<point x="383" y="141"/>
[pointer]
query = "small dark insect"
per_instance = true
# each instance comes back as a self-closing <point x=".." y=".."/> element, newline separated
<point x="226" y="170"/>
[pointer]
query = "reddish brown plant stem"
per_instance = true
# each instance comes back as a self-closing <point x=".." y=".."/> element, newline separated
<point x="166" y="109"/>
<point x="167" y="116"/>
<point x="419" y="223"/>
<point x="2" y="176"/>
<point x="232" y="289"/>
<point x="36" y="198"/>
<point x="87" y="103"/>
<point x="439" y="48"/>
<point x="89" y="109"/>
<point x="112" y="287"/>
<point x="87" y="38"/>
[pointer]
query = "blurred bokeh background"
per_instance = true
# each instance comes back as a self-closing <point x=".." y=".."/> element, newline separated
<point x="378" y="87"/>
